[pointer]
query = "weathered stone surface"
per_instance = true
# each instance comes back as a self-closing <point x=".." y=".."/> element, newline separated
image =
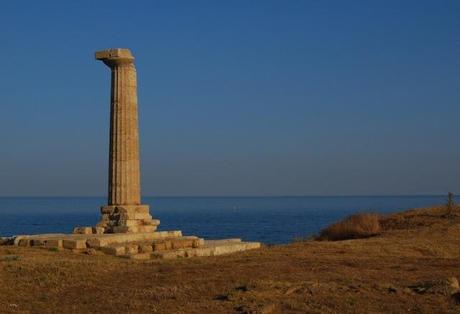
<point x="114" y="54"/>
<point x="199" y="252"/>
<point x="182" y="243"/>
<point x="74" y="243"/>
<point x="98" y="230"/>
<point x="146" y="248"/>
<point x="169" y="254"/>
<point x="198" y="243"/>
<point x="127" y="219"/>
<point x="145" y="228"/>
<point x="106" y="239"/>
<point x="37" y="242"/>
<point x="18" y="239"/>
<point x="53" y="243"/>
<point x="132" y="249"/>
<point x="24" y="242"/>
<point x="210" y="248"/>
<point x="141" y="216"/>
<point x="124" y="212"/>
<point x="221" y="247"/>
<point x="83" y="230"/>
<point x="176" y="243"/>
<point x="163" y="244"/>
<point x="101" y="240"/>
<point x="159" y="246"/>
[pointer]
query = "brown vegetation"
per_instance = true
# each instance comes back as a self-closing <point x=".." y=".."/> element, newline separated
<point x="413" y="266"/>
<point x="358" y="226"/>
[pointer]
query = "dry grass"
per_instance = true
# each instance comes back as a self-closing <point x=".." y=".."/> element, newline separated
<point x="376" y="275"/>
<point x="357" y="226"/>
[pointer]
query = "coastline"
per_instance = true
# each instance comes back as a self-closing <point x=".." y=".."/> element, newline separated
<point x="403" y="269"/>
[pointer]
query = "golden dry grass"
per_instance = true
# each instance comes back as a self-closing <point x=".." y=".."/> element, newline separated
<point x="358" y="226"/>
<point x="373" y="275"/>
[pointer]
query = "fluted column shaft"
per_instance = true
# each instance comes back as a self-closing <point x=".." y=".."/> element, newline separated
<point x="124" y="175"/>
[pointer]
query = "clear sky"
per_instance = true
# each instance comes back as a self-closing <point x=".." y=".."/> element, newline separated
<point x="235" y="97"/>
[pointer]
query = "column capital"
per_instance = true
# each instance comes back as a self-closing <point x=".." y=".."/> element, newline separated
<point x="115" y="57"/>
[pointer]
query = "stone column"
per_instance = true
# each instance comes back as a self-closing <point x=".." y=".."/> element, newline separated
<point x="124" y="212"/>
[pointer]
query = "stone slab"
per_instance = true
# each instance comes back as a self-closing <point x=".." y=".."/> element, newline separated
<point x="106" y="239"/>
<point x="37" y="242"/>
<point x="98" y="240"/>
<point x="24" y="242"/>
<point x="113" y="53"/>
<point x="210" y="248"/>
<point x="53" y="243"/>
<point x="74" y="243"/>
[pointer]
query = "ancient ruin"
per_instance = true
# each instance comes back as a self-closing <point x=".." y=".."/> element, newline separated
<point x="124" y="212"/>
<point x="126" y="227"/>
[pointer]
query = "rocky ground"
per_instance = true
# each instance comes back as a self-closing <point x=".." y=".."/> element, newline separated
<point x="412" y="267"/>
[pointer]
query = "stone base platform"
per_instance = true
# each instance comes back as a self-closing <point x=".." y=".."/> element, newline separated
<point x="124" y="219"/>
<point x="139" y="246"/>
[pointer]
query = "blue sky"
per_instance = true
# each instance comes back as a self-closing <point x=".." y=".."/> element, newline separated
<point x="236" y="97"/>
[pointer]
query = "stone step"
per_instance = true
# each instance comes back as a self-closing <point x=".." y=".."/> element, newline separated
<point x="106" y="239"/>
<point x="140" y="246"/>
<point x="210" y="248"/>
<point x="121" y="249"/>
<point x="177" y="243"/>
<point x="79" y="241"/>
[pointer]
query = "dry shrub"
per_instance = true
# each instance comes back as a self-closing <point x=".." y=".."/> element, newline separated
<point x="353" y="227"/>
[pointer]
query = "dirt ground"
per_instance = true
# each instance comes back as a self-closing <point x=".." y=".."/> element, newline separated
<point x="406" y="269"/>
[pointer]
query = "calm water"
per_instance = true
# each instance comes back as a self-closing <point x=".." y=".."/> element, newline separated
<point x="265" y="219"/>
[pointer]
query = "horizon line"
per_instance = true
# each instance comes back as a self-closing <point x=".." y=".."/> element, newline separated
<point x="232" y="196"/>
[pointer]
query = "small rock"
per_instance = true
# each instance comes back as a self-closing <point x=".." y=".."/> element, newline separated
<point x="392" y="289"/>
<point x="292" y="290"/>
<point x="91" y="252"/>
<point x="446" y="286"/>
<point x="452" y="282"/>
<point x="83" y="230"/>
<point x="386" y="286"/>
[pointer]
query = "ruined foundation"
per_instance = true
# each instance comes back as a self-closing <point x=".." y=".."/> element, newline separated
<point x="139" y="246"/>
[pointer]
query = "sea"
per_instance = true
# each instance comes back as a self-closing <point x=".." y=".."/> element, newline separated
<point x="271" y="220"/>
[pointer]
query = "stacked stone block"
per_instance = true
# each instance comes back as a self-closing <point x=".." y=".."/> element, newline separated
<point x="129" y="219"/>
